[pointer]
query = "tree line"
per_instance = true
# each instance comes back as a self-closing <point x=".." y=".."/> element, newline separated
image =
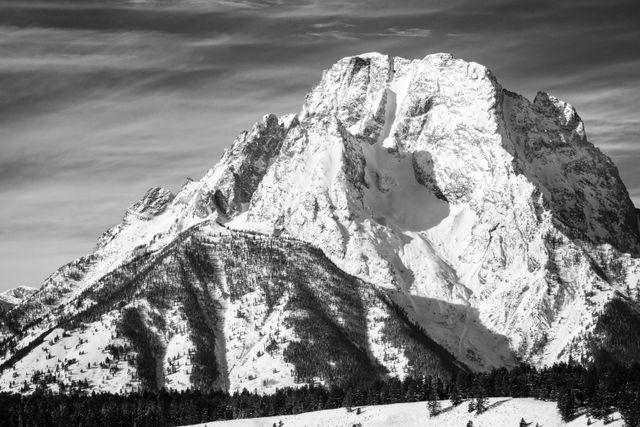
<point x="598" y="389"/>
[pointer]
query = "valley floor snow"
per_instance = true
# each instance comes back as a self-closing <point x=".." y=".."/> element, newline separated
<point x="503" y="411"/>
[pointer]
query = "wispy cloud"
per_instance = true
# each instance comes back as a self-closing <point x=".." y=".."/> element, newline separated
<point x="252" y="4"/>
<point x="332" y="24"/>
<point x="334" y="34"/>
<point x="341" y="31"/>
<point x="407" y="32"/>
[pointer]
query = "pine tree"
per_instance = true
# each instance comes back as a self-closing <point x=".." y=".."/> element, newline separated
<point x="630" y="411"/>
<point x="470" y="423"/>
<point x="433" y="404"/>
<point x="348" y="399"/>
<point x="472" y="405"/>
<point x="481" y="404"/>
<point x="566" y="404"/>
<point x="523" y="423"/>
<point x="456" y="396"/>
<point x="597" y="401"/>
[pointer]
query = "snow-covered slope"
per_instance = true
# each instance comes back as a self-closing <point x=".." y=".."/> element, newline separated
<point x="13" y="297"/>
<point x="502" y="412"/>
<point x="485" y="220"/>
<point x="222" y="309"/>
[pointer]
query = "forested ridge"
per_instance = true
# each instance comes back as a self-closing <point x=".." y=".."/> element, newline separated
<point x="190" y="289"/>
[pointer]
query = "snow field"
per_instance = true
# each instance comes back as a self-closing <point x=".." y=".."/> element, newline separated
<point x="502" y="412"/>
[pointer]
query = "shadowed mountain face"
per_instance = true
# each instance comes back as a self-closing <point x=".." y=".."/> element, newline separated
<point x="414" y="217"/>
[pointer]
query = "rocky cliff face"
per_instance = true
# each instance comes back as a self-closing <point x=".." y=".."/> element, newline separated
<point x="489" y="221"/>
<point x="429" y="177"/>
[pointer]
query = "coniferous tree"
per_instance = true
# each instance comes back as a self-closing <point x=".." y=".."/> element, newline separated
<point x="630" y="410"/>
<point x="433" y="404"/>
<point x="462" y="382"/>
<point x="597" y="401"/>
<point x="456" y="396"/>
<point x="472" y="405"/>
<point x="481" y="404"/>
<point x="348" y="399"/>
<point x="566" y="404"/>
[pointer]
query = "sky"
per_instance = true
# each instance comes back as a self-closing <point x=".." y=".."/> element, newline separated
<point x="100" y="100"/>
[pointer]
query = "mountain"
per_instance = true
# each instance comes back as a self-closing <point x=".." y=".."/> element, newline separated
<point x="414" y="217"/>
<point x="13" y="297"/>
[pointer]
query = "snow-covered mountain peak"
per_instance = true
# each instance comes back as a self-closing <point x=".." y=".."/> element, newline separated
<point x="153" y="203"/>
<point x="486" y="221"/>
<point x="458" y="110"/>
<point x="428" y="176"/>
<point x="555" y="107"/>
<point x="13" y="297"/>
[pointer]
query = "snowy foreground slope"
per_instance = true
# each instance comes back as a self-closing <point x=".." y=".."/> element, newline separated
<point x="503" y="412"/>
<point x="468" y="226"/>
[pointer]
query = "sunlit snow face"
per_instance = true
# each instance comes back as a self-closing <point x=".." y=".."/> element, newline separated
<point x="102" y="100"/>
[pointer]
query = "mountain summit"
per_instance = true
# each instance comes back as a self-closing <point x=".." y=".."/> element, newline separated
<point x="414" y="217"/>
